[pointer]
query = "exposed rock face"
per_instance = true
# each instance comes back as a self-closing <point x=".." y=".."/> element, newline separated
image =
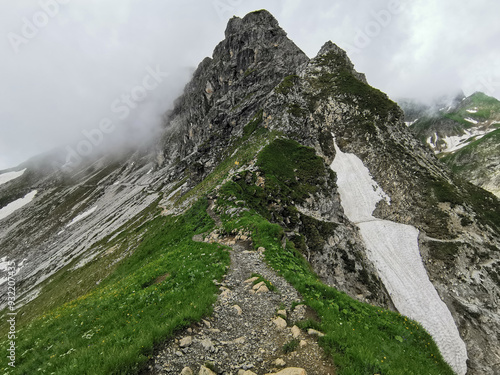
<point x="228" y="89"/>
<point x="258" y="79"/>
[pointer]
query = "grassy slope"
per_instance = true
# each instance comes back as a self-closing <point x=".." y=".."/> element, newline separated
<point x="164" y="285"/>
<point x="472" y="154"/>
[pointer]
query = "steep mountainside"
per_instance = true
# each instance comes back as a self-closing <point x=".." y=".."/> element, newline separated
<point x="298" y="157"/>
<point x="479" y="162"/>
<point x="462" y="134"/>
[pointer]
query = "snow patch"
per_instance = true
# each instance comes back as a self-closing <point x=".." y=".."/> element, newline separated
<point x="9" y="176"/>
<point x="17" y="204"/>
<point x="455" y="143"/>
<point x="410" y="123"/>
<point x="393" y="249"/>
<point x="471" y="120"/>
<point x="359" y="200"/>
<point x="82" y="216"/>
<point x="4" y="265"/>
<point x="474" y="110"/>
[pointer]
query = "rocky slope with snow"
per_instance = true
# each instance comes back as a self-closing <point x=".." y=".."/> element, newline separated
<point x="462" y="134"/>
<point x="237" y="136"/>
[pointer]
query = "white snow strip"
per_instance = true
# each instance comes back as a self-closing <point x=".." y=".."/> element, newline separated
<point x="82" y="216"/>
<point x="362" y="194"/>
<point x="393" y="249"/>
<point x="410" y="123"/>
<point x="472" y="110"/>
<point x="17" y="204"/>
<point x="6" y="177"/>
<point x="471" y="120"/>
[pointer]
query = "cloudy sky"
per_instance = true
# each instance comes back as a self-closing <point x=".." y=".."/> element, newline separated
<point x="71" y="67"/>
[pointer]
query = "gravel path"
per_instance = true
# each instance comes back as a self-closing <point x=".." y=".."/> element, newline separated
<point x="245" y="331"/>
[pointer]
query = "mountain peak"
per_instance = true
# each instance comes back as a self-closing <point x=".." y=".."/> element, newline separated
<point x="331" y="47"/>
<point x="332" y="57"/>
<point x="258" y="19"/>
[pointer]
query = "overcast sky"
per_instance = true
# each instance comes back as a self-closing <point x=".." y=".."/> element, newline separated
<point x="69" y="66"/>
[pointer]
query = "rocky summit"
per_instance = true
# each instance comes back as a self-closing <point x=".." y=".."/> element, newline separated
<point x="287" y="221"/>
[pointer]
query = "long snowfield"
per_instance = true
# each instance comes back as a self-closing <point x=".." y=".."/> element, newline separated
<point x="393" y="249"/>
<point x="6" y="177"/>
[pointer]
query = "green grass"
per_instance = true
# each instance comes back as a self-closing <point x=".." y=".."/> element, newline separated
<point x="484" y="203"/>
<point x="163" y="286"/>
<point x="290" y="346"/>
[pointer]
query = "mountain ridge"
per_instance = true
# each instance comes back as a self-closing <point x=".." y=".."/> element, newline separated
<point x="237" y="135"/>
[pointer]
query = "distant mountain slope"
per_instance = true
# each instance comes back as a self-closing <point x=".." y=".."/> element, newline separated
<point x="462" y="129"/>
<point x="479" y="162"/>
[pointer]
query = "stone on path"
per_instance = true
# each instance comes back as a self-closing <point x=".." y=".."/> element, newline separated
<point x="262" y="289"/>
<point x="186" y="341"/>
<point x="247" y="372"/>
<point x="291" y="371"/>
<point x="313" y="332"/>
<point x="280" y="323"/>
<point x="206" y="371"/>
<point x="280" y="362"/>
<point x="238" y="309"/>
<point x="295" y="332"/>
<point x="258" y="285"/>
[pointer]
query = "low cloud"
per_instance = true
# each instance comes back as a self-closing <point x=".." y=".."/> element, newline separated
<point x="66" y="62"/>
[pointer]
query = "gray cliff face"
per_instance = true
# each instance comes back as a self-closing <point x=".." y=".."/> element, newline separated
<point x="259" y="79"/>
<point x="227" y="89"/>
